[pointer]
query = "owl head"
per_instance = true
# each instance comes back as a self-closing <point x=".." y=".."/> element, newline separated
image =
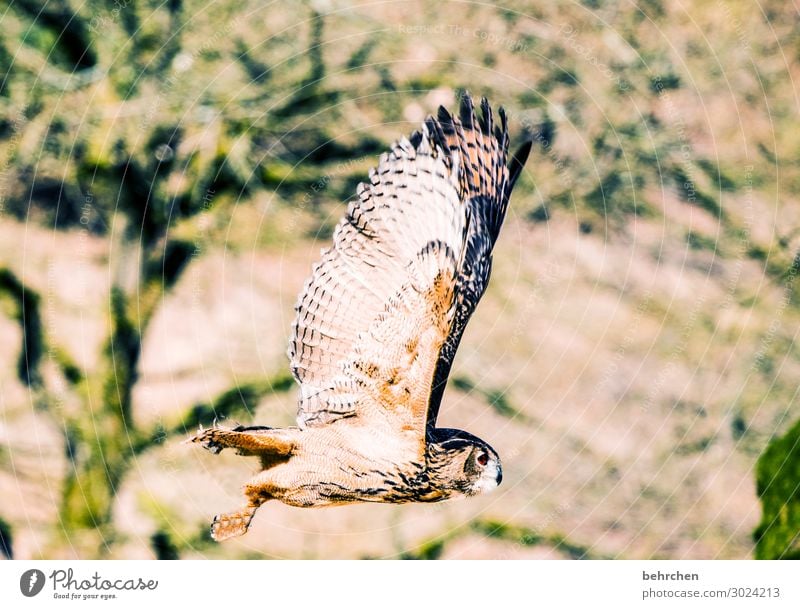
<point x="460" y="462"/>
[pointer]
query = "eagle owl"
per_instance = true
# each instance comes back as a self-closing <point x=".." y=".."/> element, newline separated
<point x="377" y="327"/>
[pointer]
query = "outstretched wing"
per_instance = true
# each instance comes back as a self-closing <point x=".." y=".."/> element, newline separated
<point x="486" y="184"/>
<point x="378" y="307"/>
<point x="380" y="319"/>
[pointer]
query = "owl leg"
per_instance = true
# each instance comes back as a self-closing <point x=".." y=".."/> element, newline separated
<point x="232" y="524"/>
<point x="258" y="491"/>
<point x="258" y="441"/>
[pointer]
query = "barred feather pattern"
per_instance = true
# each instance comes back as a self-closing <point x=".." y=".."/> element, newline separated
<point x="377" y="327"/>
<point x="485" y="186"/>
<point x="377" y="308"/>
<point x="380" y="319"/>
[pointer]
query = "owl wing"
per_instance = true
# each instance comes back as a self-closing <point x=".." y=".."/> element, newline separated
<point x="486" y="183"/>
<point x="375" y="322"/>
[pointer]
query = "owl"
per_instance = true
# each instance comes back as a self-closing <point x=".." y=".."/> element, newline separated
<point x="378" y="325"/>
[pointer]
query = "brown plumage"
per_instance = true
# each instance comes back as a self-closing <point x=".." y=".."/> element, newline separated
<point x="377" y="327"/>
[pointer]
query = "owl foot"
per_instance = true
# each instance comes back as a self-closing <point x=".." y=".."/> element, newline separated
<point x="209" y="439"/>
<point x="232" y="524"/>
<point x="260" y="441"/>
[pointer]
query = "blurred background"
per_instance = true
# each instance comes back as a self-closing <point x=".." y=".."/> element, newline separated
<point x="169" y="171"/>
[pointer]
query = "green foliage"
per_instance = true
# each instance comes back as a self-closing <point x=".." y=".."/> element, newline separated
<point x="540" y="214"/>
<point x="6" y="540"/>
<point x="602" y="199"/>
<point x="690" y="192"/>
<point x="525" y="536"/>
<point x="665" y="82"/>
<point x="163" y="546"/>
<point x="25" y="303"/>
<point x="58" y="32"/>
<point x="431" y="550"/>
<point x="241" y="400"/>
<point x="165" y="269"/>
<point x="720" y="178"/>
<point x="101" y="127"/>
<point x="361" y="55"/>
<point x="123" y="353"/>
<point x="497" y="399"/>
<point x="778" y="486"/>
<point x="738" y="427"/>
<point x="696" y="241"/>
<point x="257" y="71"/>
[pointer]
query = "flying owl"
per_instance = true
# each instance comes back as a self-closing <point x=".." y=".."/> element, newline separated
<point x="377" y="327"/>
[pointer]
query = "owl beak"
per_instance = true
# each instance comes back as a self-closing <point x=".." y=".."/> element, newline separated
<point x="499" y="475"/>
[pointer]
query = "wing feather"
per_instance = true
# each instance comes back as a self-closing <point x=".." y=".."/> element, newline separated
<point x="378" y="306"/>
<point x="379" y="320"/>
<point x="486" y="185"/>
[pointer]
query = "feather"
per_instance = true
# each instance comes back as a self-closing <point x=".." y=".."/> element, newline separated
<point x="380" y="318"/>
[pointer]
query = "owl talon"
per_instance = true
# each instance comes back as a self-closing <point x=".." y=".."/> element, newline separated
<point x="233" y="524"/>
<point x="249" y="441"/>
<point x="212" y="447"/>
<point x="206" y="438"/>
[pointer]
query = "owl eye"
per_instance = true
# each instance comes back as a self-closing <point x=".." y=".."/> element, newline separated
<point x="483" y="459"/>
